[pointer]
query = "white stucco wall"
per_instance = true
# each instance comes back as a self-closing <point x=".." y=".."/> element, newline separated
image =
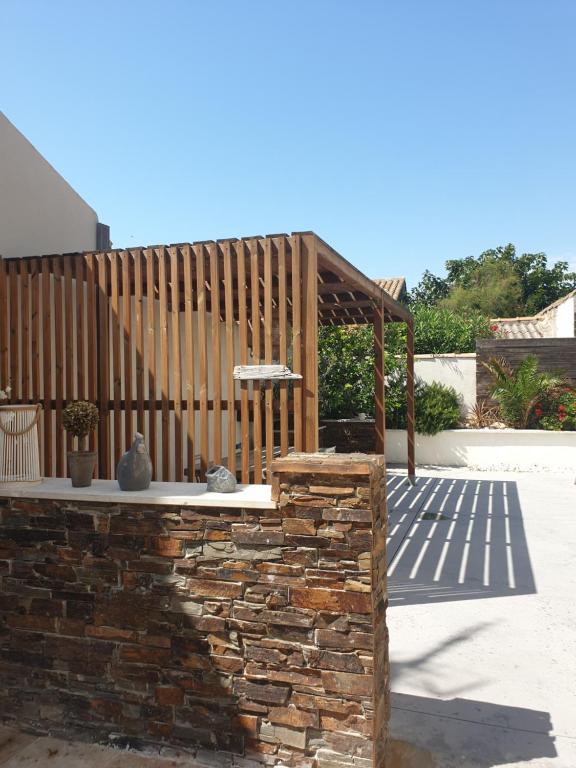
<point x="565" y="318"/>
<point x="458" y="371"/>
<point x="523" y="450"/>
<point x="39" y="211"/>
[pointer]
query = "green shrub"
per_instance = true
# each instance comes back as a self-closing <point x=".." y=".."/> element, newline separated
<point x="519" y="390"/>
<point x="436" y="407"/>
<point x="80" y="417"/>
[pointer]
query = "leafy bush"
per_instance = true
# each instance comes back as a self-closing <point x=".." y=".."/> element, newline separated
<point x="437" y="407"/>
<point x="346" y="371"/>
<point x="439" y="331"/>
<point x="556" y="413"/>
<point x="519" y="390"/>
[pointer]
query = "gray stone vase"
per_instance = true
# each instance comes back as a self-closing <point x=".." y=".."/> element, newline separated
<point x="220" y="480"/>
<point x="134" y="471"/>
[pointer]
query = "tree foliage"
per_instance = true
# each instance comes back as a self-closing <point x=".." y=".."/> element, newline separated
<point x="497" y="283"/>
<point x="346" y="370"/>
<point x="439" y="330"/>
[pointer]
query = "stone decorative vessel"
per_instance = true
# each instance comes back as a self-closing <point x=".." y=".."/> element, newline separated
<point x="134" y="471"/>
<point x="220" y="480"/>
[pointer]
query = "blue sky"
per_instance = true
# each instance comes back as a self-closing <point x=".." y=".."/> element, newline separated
<point x="404" y="133"/>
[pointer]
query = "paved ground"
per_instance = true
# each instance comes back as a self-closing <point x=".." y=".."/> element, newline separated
<point x="483" y="618"/>
<point x="18" y="750"/>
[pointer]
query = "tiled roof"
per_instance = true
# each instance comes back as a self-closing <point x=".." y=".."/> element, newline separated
<point x="394" y="286"/>
<point x="540" y="326"/>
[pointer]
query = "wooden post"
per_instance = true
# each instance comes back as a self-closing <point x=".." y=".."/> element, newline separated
<point x="379" y="396"/>
<point x="310" y="336"/>
<point x="410" y="400"/>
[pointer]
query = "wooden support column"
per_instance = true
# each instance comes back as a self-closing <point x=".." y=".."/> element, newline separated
<point x="379" y="401"/>
<point x="309" y="254"/>
<point x="410" y="400"/>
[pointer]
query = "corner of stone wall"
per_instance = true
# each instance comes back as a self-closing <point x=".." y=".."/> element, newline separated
<point x="346" y="495"/>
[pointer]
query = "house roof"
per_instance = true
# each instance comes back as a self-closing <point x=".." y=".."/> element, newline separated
<point x="537" y="326"/>
<point x="394" y="286"/>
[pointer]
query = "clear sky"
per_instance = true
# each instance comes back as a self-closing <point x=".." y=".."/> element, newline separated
<point x="404" y="133"/>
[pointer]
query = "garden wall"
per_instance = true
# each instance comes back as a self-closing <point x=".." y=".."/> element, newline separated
<point x="197" y="625"/>
<point x="494" y="449"/>
<point x="458" y="371"/>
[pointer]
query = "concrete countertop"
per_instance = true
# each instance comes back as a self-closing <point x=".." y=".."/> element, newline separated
<point x="169" y="494"/>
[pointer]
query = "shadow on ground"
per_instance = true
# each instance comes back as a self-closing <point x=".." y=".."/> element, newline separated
<point x="464" y="733"/>
<point x="452" y="539"/>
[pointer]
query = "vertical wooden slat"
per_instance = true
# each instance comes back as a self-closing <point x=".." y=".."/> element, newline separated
<point x="230" y="386"/>
<point x="36" y="390"/>
<point x="103" y="366"/>
<point x="379" y="410"/>
<point x="283" y="345"/>
<point x="297" y="340"/>
<point x="80" y="331"/>
<point x="150" y="258"/>
<point x="47" y="367"/>
<point x="243" y="340"/>
<point x="410" y="420"/>
<point x="59" y="333"/>
<point x="256" y="352"/>
<point x="202" y="357"/>
<point x="216" y="360"/>
<point x="310" y="332"/>
<point x="14" y="326"/>
<point x="139" y="322"/>
<point x="189" y="352"/>
<point x="92" y="389"/>
<point x="25" y="322"/>
<point x="128" y="342"/>
<point x="176" y="362"/>
<point x="4" y="324"/>
<point x="268" y="328"/>
<point x="164" y="377"/>
<point x="116" y="359"/>
<point x="67" y="330"/>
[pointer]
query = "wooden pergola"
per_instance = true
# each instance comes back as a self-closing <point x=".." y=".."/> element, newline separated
<point x="152" y="336"/>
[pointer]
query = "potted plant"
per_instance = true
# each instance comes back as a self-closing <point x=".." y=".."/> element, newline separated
<point x="79" y="418"/>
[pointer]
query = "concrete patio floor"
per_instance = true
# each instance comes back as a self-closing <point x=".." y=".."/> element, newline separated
<point x="482" y="617"/>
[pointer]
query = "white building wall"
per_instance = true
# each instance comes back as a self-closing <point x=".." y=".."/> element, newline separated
<point x="39" y="211"/>
<point x="458" y="371"/>
<point x="564" y="320"/>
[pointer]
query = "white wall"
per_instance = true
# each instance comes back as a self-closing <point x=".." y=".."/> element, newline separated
<point x="494" y="449"/>
<point x="39" y="211"/>
<point x="564" y="319"/>
<point x="458" y="371"/>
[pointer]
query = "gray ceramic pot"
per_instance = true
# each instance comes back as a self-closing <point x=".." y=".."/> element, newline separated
<point x="81" y="466"/>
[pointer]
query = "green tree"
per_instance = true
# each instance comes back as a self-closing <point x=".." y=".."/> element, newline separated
<point x="496" y="283"/>
<point x="346" y="370"/>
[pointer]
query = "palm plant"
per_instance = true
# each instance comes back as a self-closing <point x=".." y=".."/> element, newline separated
<point x="518" y="390"/>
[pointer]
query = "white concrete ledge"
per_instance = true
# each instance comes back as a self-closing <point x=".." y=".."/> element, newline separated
<point x="523" y="450"/>
<point x="169" y="494"/>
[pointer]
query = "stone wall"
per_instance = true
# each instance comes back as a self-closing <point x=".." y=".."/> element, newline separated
<point x="246" y="631"/>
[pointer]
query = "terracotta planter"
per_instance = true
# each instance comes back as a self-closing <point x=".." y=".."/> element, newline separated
<point x="81" y="466"/>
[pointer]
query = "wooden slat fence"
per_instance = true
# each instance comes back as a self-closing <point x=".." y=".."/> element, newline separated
<point x="552" y="354"/>
<point x="152" y="335"/>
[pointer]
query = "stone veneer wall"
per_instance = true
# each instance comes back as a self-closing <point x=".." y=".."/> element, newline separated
<point x="349" y="435"/>
<point x="246" y="631"/>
